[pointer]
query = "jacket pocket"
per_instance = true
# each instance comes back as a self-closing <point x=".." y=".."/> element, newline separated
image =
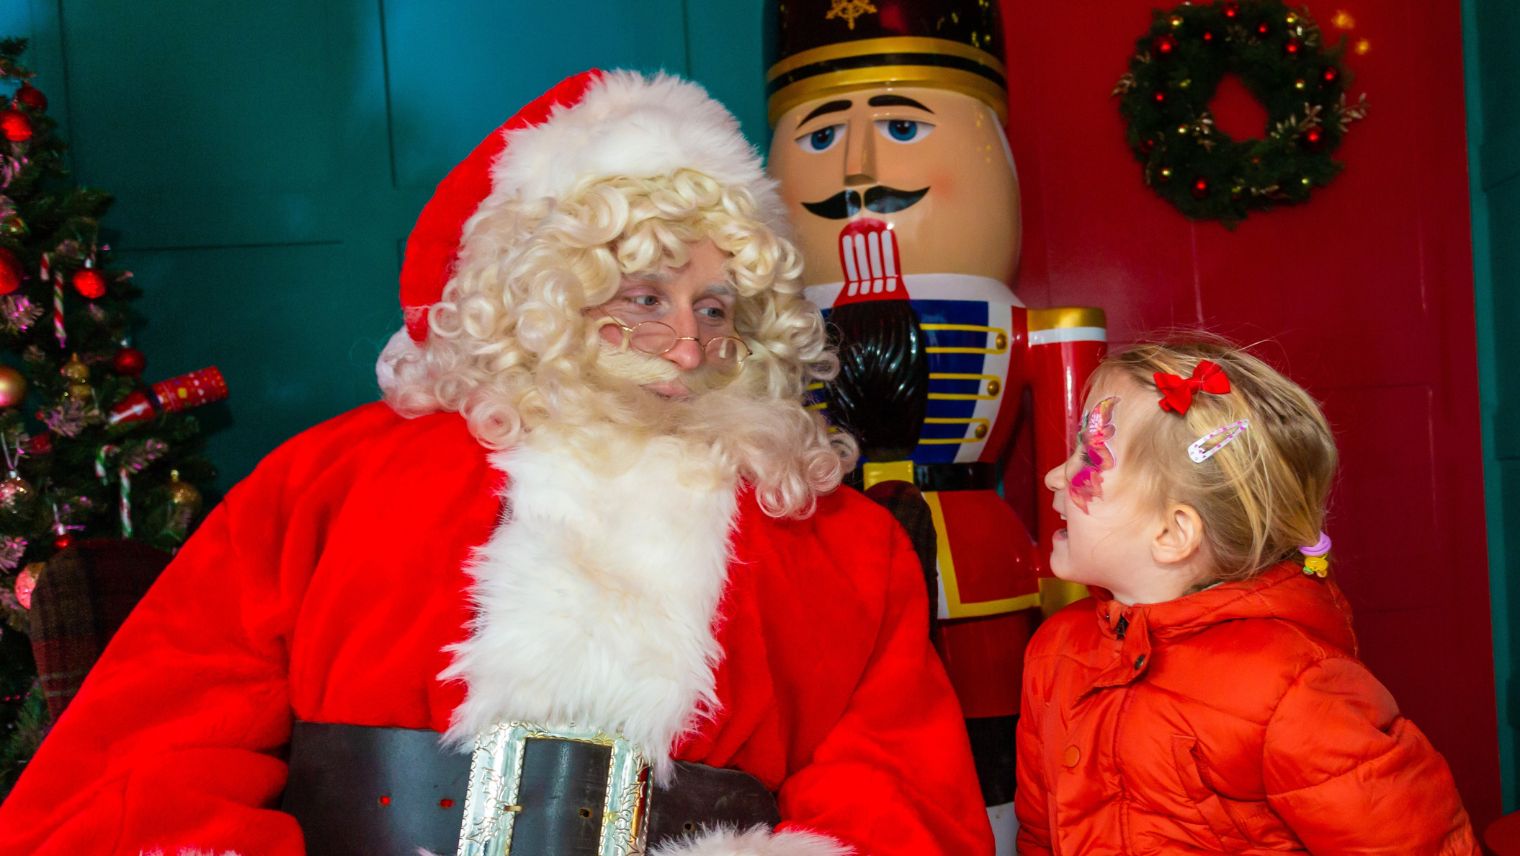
<point x="1210" y="804"/>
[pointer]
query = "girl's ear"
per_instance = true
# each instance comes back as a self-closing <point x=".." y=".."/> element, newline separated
<point x="1180" y="539"/>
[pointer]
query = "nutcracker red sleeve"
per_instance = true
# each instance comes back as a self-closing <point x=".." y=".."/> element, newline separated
<point x="1065" y="345"/>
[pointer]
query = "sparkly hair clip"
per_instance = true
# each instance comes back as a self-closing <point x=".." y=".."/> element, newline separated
<point x="1208" y="445"/>
<point x="1177" y="392"/>
<point x="1315" y="562"/>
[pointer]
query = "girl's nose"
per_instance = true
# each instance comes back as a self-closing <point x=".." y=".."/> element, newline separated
<point x="1055" y="480"/>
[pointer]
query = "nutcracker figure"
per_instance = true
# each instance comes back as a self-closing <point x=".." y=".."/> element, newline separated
<point x="889" y="147"/>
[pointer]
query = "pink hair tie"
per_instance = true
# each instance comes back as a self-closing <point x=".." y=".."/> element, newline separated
<point x="1318" y="548"/>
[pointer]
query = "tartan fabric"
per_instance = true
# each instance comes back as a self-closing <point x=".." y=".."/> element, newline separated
<point x="82" y="597"/>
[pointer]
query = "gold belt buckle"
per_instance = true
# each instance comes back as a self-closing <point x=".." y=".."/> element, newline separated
<point x="491" y="803"/>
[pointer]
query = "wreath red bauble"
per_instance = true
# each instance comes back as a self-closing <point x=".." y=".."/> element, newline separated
<point x="1277" y="53"/>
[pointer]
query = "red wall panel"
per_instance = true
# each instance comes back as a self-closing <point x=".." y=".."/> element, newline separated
<point x="1364" y="295"/>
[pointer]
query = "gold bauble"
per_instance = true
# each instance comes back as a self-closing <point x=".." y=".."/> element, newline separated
<point x="75" y="370"/>
<point x="183" y="494"/>
<point x="12" y="387"/>
<point x="14" y="490"/>
<point x="80" y="391"/>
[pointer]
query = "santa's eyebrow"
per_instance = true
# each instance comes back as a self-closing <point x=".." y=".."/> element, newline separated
<point x="897" y="101"/>
<point x="827" y="107"/>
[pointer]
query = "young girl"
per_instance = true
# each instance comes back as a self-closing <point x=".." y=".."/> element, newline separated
<point x="1207" y="698"/>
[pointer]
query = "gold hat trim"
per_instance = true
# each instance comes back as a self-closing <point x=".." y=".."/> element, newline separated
<point x="888" y="44"/>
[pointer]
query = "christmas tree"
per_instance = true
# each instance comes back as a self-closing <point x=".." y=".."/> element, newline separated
<point x="89" y="451"/>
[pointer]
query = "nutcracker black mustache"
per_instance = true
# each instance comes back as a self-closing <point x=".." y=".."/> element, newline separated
<point x="880" y="199"/>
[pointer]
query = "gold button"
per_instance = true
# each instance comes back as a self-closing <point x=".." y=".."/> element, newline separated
<point x="1071" y="756"/>
<point x="1000" y="342"/>
<point x="981" y="430"/>
<point x="993" y="387"/>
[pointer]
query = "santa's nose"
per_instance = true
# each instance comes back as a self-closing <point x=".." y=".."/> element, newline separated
<point x="686" y="353"/>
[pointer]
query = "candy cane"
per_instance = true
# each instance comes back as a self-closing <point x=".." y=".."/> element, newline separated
<point x="125" y="505"/>
<point x="63" y="338"/>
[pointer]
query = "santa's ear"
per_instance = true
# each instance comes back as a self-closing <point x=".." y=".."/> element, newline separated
<point x="1178" y="540"/>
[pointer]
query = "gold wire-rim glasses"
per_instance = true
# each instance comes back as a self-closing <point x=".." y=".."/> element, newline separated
<point x="726" y="353"/>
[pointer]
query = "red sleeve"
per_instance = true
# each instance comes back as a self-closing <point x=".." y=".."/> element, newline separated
<point x="894" y="775"/>
<point x="1348" y="774"/>
<point x="174" y="740"/>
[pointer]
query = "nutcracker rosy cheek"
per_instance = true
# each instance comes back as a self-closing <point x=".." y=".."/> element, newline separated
<point x="1097" y="430"/>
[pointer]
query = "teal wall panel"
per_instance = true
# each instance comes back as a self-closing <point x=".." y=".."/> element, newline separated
<point x="1491" y="28"/>
<point x="500" y="55"/>
<point x="269" y="159"/>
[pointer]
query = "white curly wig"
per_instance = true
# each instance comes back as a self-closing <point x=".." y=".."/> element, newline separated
<point x="607" y="176"/>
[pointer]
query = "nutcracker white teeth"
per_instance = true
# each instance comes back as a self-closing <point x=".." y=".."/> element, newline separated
<point x="869" y="256"/>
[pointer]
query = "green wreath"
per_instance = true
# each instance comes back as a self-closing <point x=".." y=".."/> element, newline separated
<point x="1277" y="53"/>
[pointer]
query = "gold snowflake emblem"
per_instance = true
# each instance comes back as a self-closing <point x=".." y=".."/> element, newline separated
<point x="849" y="10"/>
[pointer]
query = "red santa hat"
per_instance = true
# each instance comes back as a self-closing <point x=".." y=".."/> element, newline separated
<point x="593" y="125"/>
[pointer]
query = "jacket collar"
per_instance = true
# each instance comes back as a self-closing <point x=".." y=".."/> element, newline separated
<point x="1283" y="592"/>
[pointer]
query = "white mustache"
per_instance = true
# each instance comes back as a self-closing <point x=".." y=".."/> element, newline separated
<point x="630" y="365"/>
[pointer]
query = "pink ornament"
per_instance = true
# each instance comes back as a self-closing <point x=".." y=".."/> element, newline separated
<point x="26" y="581"/>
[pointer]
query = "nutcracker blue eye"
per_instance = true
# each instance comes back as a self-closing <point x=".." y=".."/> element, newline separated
<point x="904" y="130"/>
<point x="820" y="140"/>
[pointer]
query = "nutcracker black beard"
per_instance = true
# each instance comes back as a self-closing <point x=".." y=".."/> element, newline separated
<point x="882" y="392"/>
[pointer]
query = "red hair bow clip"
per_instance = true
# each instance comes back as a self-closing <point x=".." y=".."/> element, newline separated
<point x="1177" y="392"/>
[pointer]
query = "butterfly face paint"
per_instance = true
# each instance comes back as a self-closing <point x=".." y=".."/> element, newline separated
<point x="1097" y="430"/>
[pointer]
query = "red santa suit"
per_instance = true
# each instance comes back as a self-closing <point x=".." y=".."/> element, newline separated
<point x="331" y="583"/>
<point x="382" y="571"/>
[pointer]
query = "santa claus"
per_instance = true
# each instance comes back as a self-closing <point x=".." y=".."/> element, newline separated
<point x="581" y="584"/>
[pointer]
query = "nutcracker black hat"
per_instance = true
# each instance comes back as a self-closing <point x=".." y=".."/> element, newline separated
<point x="818" y="48"/>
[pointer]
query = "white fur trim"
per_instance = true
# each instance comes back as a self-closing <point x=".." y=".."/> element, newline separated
<point x="595" y="597"/>
<point x="635" y="126"/>
<point x="756" y="841"/>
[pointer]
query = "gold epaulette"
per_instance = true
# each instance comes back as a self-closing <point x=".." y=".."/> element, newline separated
<point x="1065" y="317"/>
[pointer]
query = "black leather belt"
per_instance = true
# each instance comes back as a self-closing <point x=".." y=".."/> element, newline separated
<point x="359" y="791"/>
<point x="977" y="475"/>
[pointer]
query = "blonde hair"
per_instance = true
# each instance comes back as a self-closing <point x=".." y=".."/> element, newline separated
<point x="508" y="345"/>
<point x="1263" y="494"/>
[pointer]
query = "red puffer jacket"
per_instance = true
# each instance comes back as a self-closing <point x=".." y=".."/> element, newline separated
<point x="1233" y="720"/>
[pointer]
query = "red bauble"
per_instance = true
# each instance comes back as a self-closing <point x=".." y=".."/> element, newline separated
<point x="10" y="271"/>
<point x="63" y="541"/>
<point x="89" y="282"/>
<point x="40" y="444"/>
<point x="129" y="362"/>
<point x="1200" y="188"/>
<point x="1166" y="45"/>
<point x="15" y="126"/>
<point x="32" y="97"/>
